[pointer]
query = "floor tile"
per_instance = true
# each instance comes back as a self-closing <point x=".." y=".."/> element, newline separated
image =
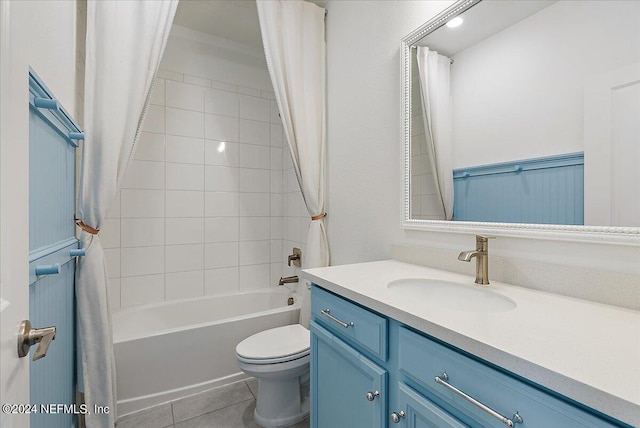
<point x="301" y="424"/>
<point x="229" y="406"/>
<point x="209" y="401"/>
<point x="253" y="386"/>
<point x="155" y="417"/>
<point x="235" y="416"/>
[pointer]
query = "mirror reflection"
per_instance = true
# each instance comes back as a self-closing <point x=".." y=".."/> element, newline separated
<point x="527" y="112"/>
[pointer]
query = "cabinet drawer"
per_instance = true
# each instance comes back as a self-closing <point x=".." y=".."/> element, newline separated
<point x="361" y="327"/>
<point x="421" y="360"/>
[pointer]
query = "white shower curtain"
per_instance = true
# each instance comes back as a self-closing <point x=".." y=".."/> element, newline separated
<point x="293" y="38"/>
<point x="124" y="45"/>
<point x="435" y="87"/>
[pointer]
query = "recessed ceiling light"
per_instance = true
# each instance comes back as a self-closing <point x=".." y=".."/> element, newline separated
<point x="221" y="146"/>
<point x="455" y="22"/>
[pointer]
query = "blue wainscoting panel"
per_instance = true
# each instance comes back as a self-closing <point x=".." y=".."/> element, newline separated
<point x="52" y="157"/>
<point x="547" y="190"/>
<point x="51" y="184"/>
<point x="52" y="378"/>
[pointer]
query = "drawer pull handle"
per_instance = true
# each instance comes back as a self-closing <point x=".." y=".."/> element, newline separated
<point x="327" y="313"/>
<point x="372" y="395"/>
<point x="396" y="416"/>
<point x="442" y="380"/>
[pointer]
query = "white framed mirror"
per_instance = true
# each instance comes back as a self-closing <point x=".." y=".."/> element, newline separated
<point x="523" y="120"/>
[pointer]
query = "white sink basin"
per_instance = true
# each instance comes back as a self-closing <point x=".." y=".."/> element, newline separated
<point x="452" y="295"/>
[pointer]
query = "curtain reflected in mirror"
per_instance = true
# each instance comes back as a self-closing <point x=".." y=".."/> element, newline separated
<point x="435" y="97"/>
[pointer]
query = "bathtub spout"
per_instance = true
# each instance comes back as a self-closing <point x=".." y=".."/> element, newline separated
<point x="288" y="280"/>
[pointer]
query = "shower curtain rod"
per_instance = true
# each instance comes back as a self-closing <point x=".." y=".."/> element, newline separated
<point x="451" y="60"/>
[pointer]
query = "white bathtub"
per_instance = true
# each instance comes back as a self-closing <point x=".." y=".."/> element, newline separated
<point x="174" y="349"/>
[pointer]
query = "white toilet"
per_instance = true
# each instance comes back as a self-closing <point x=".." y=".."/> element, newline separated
<point x="279" y="359"/>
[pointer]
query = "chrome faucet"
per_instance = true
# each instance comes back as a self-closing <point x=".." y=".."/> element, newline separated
<point x="288" y="280"/>
<point x="481" y="254"/>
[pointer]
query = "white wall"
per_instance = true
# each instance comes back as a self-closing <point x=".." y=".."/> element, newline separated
<point x="537" y="68"/>
<point x="45" y="35"/>
<point x="363" y="121"/>
<point x="364" y="147"/>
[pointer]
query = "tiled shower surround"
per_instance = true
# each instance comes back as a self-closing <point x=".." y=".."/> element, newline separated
<point x="210" y="204"/>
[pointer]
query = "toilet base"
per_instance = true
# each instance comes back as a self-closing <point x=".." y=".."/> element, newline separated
<point x="283" y="392"/>
<point x="282" y="402"/>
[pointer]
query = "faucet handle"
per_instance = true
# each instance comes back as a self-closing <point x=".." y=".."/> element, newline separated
<point x="296" y="257"/>
<point x="482" y="242"/>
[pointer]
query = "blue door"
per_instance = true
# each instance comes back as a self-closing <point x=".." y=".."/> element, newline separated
<point x="51" y="256"/>
<point x="341" y="377"/>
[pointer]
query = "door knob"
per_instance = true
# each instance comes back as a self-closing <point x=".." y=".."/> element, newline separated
<point x="28" y="336"/>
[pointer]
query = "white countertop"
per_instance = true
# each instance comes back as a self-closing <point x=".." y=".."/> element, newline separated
<point x="587" y="351"/>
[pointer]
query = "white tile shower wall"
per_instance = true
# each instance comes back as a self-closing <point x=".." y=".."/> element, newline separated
<point x="210" y="204"/>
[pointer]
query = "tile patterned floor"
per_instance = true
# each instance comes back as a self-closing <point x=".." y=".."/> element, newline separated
<point x="229" y="406"/>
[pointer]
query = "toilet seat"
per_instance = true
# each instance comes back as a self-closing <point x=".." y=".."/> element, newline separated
<point x="277" y="345"/>
<point x="273" y="360"/>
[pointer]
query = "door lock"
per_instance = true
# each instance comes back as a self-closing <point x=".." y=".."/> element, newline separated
<point x="28" y="336"/>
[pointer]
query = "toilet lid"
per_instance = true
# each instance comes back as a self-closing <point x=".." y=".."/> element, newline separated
<point x="275" y="343"/>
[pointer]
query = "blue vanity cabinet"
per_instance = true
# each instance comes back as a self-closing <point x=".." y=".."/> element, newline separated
<point x="355" y="351"/>
<point x="348" y="389"/>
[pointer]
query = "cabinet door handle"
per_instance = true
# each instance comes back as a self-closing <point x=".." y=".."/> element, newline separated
<point x="372" y="395"/>
<point x="442" y="380"/>
<point x="327" y="313"/>
<point x="396" y="416"/>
